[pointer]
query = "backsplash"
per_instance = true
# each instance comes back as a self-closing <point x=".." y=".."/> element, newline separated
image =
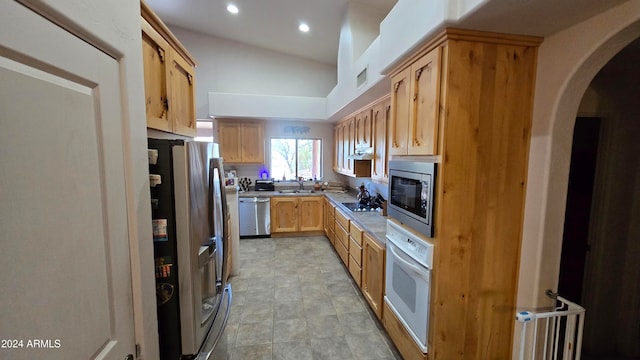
<point x="372" y="186"/>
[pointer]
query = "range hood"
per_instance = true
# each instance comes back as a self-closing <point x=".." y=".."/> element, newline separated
<point x="361" y="154"/>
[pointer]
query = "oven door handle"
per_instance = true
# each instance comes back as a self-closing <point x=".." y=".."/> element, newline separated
<point x="423" y="273"/>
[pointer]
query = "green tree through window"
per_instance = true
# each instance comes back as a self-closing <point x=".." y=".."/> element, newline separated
<point x="293" y="158"/>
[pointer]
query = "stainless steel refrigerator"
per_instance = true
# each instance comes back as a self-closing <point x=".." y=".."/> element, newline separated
<point x="190" y="238"/>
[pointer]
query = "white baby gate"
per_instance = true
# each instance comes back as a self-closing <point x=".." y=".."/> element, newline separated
<point x="561" y="329"/>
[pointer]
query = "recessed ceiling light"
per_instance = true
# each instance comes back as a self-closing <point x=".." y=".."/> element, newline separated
<point x="303" y="27"/>
<point x="232" y="9"/>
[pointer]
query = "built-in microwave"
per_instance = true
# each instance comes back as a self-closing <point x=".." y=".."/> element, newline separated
<point x="411" y="194"/>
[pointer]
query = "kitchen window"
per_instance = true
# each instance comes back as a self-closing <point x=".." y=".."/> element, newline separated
<point x="294" y="158"/>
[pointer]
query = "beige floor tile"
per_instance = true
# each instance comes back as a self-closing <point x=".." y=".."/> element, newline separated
<point x="324" y="326"/>
<point x="285" y="310"/>
<point x="331" y="348"/>
<point x="368" y="346"/>
<point x="253" y="352"/>
<point x="255" y="333"/>
<point x="290" y="330"/>
<point x="294" y="299"/>
<point x="294" y="350"/>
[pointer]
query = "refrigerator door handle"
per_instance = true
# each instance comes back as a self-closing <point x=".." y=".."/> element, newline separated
<point x="211" y="340"/>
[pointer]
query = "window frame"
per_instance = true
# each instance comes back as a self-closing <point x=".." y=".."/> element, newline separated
<point x="297" y="139"/>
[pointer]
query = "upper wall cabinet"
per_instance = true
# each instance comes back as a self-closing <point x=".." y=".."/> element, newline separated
<point x="413" y="128"/>
<point x="363" y="129"/>
<point x="345" y="133"/>
<point x="380" y="116"/>
<point x="169" y="81"/>
<point x="241" y="142"/>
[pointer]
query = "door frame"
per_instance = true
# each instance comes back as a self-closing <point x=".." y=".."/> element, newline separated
<point x="567" y="63"/>
<point x="114" y="27"/>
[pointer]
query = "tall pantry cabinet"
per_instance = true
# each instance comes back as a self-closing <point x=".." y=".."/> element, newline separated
<point x="465" y="98"/>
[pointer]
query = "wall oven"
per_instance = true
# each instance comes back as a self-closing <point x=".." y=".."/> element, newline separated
<point x="408" y="281"/>
<point x="411" y="194"/>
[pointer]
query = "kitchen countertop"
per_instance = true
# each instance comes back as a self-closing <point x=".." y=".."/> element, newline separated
<point x="372" y="222"/>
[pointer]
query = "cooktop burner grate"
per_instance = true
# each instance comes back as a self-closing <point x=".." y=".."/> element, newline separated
<point x="358" y="207"/>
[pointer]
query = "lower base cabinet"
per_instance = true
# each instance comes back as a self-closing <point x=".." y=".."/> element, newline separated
<point x="400" y="337"/>
<point x="296" y="214"/>
<point x="373" y="270"/>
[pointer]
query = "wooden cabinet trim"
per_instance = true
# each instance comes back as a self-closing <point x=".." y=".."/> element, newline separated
<point x="164" y="31"/>
<point x="463" y="35"/>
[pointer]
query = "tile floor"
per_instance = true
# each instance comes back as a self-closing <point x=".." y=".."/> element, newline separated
<point x="293" y="299"/>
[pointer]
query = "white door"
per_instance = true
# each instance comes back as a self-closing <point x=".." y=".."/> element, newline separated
<point x="64" y="248"/>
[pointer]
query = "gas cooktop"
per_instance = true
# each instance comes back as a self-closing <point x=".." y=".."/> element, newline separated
<point x="358" y="207"/>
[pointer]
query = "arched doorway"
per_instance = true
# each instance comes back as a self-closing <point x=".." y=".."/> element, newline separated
<point x="568" y="61"/>
<point x="600" y="264"/>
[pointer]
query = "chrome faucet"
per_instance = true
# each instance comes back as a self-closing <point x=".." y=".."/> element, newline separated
<point x="301" y="182"/>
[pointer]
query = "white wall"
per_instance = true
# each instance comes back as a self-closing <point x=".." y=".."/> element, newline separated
<point x="567" y="63"/>
<point x="230" y="67"/>
<point x="364" y="26"/>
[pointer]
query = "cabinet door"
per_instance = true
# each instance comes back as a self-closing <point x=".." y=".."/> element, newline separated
<point x="325" y="215"/>
<point x="363" y="129"/>
<point x="252" y="141"/>
<point x="155" y="53"/>
<point x="339" y="148"/>
<point x="380" y="116"/>
<point x="344" y="140"/>
<point x="229" y="139"/>
<point x="349" y="144"/>
<point x="373" y="257"/>
<point x="310" y="215"/>
<point x="423" y="117"/>
<point x="399" y="120"/>
<point x="182" y="106"/>
<point x="284" y="214"/>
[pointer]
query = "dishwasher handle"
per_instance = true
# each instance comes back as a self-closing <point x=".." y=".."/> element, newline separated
<point x="254" y="200"/>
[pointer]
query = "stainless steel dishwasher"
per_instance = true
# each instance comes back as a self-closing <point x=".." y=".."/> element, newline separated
<point x="255" y="216"/>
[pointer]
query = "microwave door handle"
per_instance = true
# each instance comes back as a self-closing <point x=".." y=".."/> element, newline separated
<point x="424" y="274"/>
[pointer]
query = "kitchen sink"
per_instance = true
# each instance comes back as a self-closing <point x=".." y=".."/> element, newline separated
<point x="296" y="191"/>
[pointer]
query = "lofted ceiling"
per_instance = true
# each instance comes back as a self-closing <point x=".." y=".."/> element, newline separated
<point x="273" y="24"/>
<point x="270" y="24"/>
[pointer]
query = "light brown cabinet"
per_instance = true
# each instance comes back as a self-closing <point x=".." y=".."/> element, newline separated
<point x="476" y="104"/>
<point x="363" y="129"/>
<point x="296" y="214"/>
<point x="341" y="243"/>
<point x="310" y="214"/>
<point x="373" y="270"/>
<point x="348" y="141"/>
<point x="169" y="78"/>
<point x="329" y="218"/>
<point x="413" y="126"/>
<point x="345" y="140"/>
<point x="363" y="256"/>
<point x="355" y="252"/>
<point x="284" y="214"/>
<point x="366" y="131"/>
<point x="380" y="161"/>
<point x="241" y="142"/>
<point x="338" y="139"/>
